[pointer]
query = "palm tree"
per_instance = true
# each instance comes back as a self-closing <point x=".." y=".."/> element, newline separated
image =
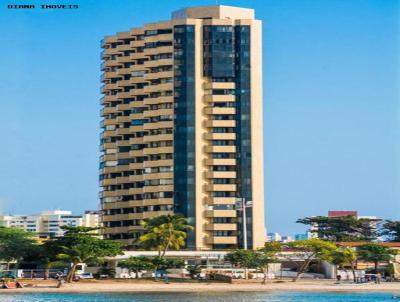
<point x="164" y="232"/>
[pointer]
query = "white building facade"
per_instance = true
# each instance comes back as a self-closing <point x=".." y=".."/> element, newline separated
<point x="50" y="223"/>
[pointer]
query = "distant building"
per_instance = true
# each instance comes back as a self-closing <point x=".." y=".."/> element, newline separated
<point x="274" y="237"/>
<point x="342" y="213"/>
<point x="285" y="239"/>
<point x="304" y="236"/>
<point x="49" y="223"/>
<point x="278" y="237"/>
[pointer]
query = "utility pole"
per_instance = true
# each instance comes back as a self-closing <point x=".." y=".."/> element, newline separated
<point x="241" y="204"/>
<point x="244" y="224"/>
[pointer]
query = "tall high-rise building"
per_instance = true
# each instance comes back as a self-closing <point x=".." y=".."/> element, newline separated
<point x="182" y="121"/>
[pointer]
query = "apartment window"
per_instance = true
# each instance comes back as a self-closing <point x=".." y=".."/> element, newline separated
<point x="137" y="122"/>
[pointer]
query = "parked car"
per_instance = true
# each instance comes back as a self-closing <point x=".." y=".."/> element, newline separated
<point x="85" y="276"/>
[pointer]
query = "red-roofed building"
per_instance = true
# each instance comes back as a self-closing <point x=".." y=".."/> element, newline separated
<point x="342" y="213"/>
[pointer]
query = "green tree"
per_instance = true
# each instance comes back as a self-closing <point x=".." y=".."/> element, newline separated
<point x="391" y="229"/>
<point x="375" y="253"/>
<point x="80" y="245"/>
<point x="164" y="232"/>
<point x="15" y="244"/>
<point x="342" y="229"/>
<point x="137" y="264"/>
<point x="312" y="249"/>
<point x="266" y="256"/>
<point x="164" y="264"/>
<point x="45" y="254"/>
<point x="109" y="272"/>
<point x="244" y="258"/>
<point x="345" y="256"/>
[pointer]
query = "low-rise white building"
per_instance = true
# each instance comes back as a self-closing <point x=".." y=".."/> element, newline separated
<point x="49" y="223"/>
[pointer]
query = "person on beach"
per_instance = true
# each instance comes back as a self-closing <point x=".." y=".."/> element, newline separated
<point x="60" y="279"/>
<point x="378" y="278"/>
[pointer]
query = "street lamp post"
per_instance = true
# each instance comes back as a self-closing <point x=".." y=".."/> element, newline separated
<point x="241" y="203"/>
<point x="244" y="224"/>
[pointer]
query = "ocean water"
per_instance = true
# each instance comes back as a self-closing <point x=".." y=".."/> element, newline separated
<point x="200" y="297"/>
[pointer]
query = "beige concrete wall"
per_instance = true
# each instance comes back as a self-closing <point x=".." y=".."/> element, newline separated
<point x="201" y="204"/>
<point x="257" y="135"/>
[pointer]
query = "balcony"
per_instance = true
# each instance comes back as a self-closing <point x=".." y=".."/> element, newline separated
<point x="220" y="174"/>
<point x="159" y="100"/>
<point x="220" y="85"/>
<point x="135" y="153"/>
<point x="222" y="240"/>
<point x="159" y="175"/>
<point x="160" y="87"/>
<point x="158" y="125"/>
<point x="220" y="136"/>
<point x="151" y="113"/>
<point x="137" y="55"/>
<point x="220" y="110"/>
<point x="220" y="123"/>
<point x="220" y="188"/>
<point x="110" y="75"/>
<point x="123" y="119"/>
<point x="219" y="98"/>
<point x="134" y="166"/>
<point x="160" y="37"/>
<point x="220" y="213"/>
<point x="137" y="43"/>
<point x="111" y="63"/>
<point x="157" y="50"/>
<point x="136" y="140"/>
<point x="159" y="188"/>
<point x="125" y="47"/>
<point x="124" y="35"/>
<point x="158" y="138"/>
<point x="161" y="62"/>
<point x="221" y="200"/>
<point x="122" y="107"/>
<point x="115" y="230"/>
<point x="220" y="162"/>
<point x="158" y="150"/>
<point x="221" y="227"/>
<point x="135" y="177"/>
<point x="123" y="95"/>
<point x="123" y="131"/>
<point x="159" y="75"/>
<point x="220" y="149"/>
<point x="158" y="163"/>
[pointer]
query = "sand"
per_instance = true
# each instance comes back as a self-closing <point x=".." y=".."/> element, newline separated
<point x="137" y="286"/>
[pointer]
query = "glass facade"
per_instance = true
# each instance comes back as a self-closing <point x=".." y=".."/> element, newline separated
<point x="243" y="120"/>
<point x="226" y="51"/>
<point x="184" y="124"/>
<point x="218" y="51"/>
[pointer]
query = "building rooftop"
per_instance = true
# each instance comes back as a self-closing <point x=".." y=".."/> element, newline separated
<point x="213" y="12"/>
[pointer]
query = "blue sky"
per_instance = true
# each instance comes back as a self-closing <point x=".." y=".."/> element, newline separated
<point x="331" y="104"/>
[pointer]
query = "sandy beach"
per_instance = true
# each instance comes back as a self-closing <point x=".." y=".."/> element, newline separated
<point x="132" y="286"/>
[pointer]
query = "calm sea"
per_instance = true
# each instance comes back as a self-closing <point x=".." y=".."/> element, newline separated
<point x="200" y="297"/>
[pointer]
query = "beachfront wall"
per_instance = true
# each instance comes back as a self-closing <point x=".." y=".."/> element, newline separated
<point x="214" y="260"/>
